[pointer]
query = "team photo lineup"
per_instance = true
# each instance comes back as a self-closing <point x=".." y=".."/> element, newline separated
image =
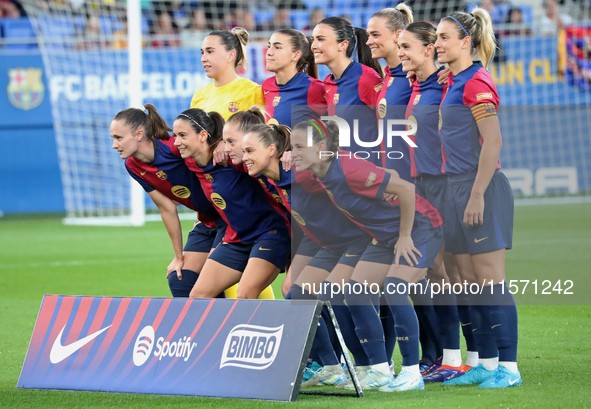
<point x="376" y="188"/>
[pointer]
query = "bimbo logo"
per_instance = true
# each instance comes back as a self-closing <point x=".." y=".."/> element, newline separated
<point x="251" y="346"/>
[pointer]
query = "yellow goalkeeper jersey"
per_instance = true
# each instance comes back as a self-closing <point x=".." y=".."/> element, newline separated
<point x="239" y="95"/>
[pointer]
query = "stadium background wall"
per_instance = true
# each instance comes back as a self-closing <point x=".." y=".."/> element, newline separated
<point x="30" y="181"/>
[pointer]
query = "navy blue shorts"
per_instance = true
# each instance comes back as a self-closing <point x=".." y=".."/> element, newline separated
<point x="307" y="247"/>
<point x="202" y="239"/>
<point x="327" y="258"/>
<point x="427" y="240"/>
<point x="495" y="233"/>
<point x="433" y="189"/>
<point x="274" y="248"/>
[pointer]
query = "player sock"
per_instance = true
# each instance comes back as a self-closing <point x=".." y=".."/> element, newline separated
<point x="446" y="311"/>
<point x="367" y="323"/>
<point x="428" y="323"/>
<point x="504" y="323"/>
<point x="387" y="320"/>
<point x="346" y="324"/>
<point x="481" y="324"/>
<point x="463" y="301"/>
<point x="405" y="319"/>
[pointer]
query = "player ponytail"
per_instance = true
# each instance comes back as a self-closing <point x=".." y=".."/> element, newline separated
<point x="212" y="123"/>
<point x="425" y="32"/>
<point x="301" y="43"/>
<point x="154" y="126"/>
<point x="477" y="25"/>
<point x="396" y="18"/>
<point x="278" y="135"/>
<point x="356" y="38"/>
<point x="246" y="119"/>
<point x="234" y="40"/>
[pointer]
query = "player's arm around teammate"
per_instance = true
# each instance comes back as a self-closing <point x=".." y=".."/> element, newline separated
<point x="142" y="139"/>
<point x="255" y="247"/>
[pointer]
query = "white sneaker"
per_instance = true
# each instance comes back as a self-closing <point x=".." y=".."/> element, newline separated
<point x="326" y="377"/>
<point x="405" y="381"/>
<point x="349" y="383"/>
<point x="373" y="380"/>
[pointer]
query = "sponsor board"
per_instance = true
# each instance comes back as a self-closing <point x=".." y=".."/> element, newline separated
<point x="225" y="348"/>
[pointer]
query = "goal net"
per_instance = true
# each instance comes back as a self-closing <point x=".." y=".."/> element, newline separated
<point x="541" y="71"/>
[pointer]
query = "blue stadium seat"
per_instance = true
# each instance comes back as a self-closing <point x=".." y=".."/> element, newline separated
<point x="299" y="19"/>
<point x="18" y="28"/>
<point x="263" y="15"/>
<point x="56" y="29"/>
<point x="110" y="24"/>
<point x="500" y="13"/>
<point x="527" y="14"/>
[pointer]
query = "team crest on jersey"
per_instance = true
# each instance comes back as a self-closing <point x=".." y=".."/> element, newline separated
<point x="218" y="201"/>
<point x="181" y="191"/>
<point x="25" y="89"/>
<point x="298" y="218"/>
<point x="370" y="179"/>
<point x="234" y="107"/>
<point x="489" y="108"/>
<point x="276" y="101"/>
<point x="209" y="178"/>
<point x="285" y="195"/>
<point x="417" y="99"/>
<point x="390" y="81"/>
<point x="382" y="108"/>
<point x="161" y="175"/>
<point x="335" y="99"/>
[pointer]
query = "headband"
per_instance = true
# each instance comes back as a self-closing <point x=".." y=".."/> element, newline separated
<point x="462" y="27"/>
<point x="196" y="123"/>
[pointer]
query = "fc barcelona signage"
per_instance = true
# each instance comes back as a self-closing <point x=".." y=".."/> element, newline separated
<point x="224" y="348"/>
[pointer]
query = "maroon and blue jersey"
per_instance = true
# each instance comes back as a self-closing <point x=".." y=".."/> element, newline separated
<point x="283" y="186"/>
<point x="298" y="100"/>
<point x="423" y="110"/>
<point x="241" y="201"/>
<point x="471" y="96"/>
<point x="318" y="217"/>
<point x="391" y="103"/>
<point x="169" y="175"/>
<point x="356" y="187"/>
<point x="353" y="96"/>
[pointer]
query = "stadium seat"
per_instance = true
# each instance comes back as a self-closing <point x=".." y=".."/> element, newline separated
<point x="263" y="15"/>
<point x="299" y="19"/>
<point x="55" y="30"/>
<point x="500" y="13"/>
<point x="110" y="24"/>
<point x="527" y="14"/>
<point x="18" y="28"/>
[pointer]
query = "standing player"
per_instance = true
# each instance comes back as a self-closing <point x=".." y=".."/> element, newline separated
<point x="391" y="262"/>
<point x="417" y="53"/>
<point x="223" y="52"/>
<point x="352" y="88"/>
<point x="255" y="247"/>
<point x="151" y="158"/>
<point x="294" y="93"/>
<point x="479" y="201"/>
<point x="383" y="30"/>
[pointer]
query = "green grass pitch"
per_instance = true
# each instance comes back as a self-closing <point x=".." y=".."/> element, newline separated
<point x="41" y="256"/>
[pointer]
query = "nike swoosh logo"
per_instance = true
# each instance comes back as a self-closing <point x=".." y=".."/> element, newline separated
<point x="60" y="352"/>
<point x="143" y="173"/>
<point x="266" y="92"/>
<point x="262" y="249"/>
<point x="479" y="240"/>
<point x="494" y="326"/>
<point x="465" y="325"/>
<point x="514" y="381"/>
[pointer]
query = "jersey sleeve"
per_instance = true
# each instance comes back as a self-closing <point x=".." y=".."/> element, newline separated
<point x="145" y="185"/>
<point x="365" y="178"/>
<point x="316" y="97"/>
<point x="370" y="85"/>
<point x="257" y="96"/>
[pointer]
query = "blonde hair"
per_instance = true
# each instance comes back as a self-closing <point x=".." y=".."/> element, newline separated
<point x="397" y="18"/>
<point x="478" y="25"/>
